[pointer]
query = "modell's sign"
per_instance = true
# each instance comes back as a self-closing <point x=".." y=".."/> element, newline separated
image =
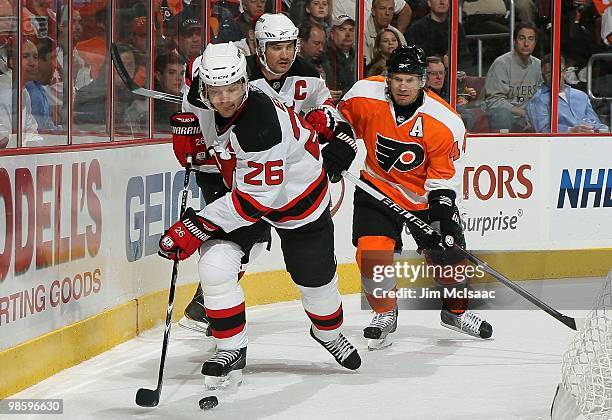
<point x="36" y="230"/>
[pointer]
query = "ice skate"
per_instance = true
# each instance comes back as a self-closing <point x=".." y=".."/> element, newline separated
<point x="195" y="315"/>
<point x="379" y="329"/>
<point x="342" y="350"/>
<point x="468" y="323"/>
<point x="224" y="369"/>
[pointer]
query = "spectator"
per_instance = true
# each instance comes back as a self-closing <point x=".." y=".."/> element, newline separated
<point x="318" y="10"/>
<point x="81" y="72"/>
<point x="90" y="103"/>
<point x="387" y="40"/>
<point x="312" y="46"/>
<point x="437" y="82"/>
<point x="187" y="29"/>
<point x="381" y="18"/>
<point x="47" y="60"/>
<point x="138" y="34"/>
<point x="93" y="50"/>
<point x="8" y="116"/>
<point x="575" y="113"/>
<point x="138" y="39"/>
<point x="169" y="76"/>
<point x="252" y="10"/>
<point x="436" y="77"/>
<point x="41" y="109"/>
<point x="384" y="17"/>
<point x="189" y="36"/>
<point x="341" y="54"/>
<point x="431" y="33"/>
<point x="512" y="80"/>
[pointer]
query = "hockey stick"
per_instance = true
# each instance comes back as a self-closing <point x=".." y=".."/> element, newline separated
<point x="427" y="229"/>
<point x="150" y="397"/>
<point x="133" y="87"/>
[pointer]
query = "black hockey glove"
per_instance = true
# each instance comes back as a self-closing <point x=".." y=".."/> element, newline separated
<point x="444" y="218"/>
<point x="339" y="153"/>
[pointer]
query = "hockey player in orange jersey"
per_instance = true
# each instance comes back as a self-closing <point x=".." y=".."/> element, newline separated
<point x="414" y="144"/>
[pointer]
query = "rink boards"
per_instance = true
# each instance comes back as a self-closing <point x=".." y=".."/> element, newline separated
<point x="79" y="230"/>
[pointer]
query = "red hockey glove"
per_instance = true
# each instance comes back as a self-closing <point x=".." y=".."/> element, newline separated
<point x="187" y="139"/>
<point x="185" y="236"/>
<point x="323" y="122"/>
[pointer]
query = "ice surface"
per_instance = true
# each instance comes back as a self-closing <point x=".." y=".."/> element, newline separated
<point x="429" y="372"/>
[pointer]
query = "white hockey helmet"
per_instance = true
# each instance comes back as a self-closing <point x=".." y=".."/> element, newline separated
<point x="221" y="65"/>
<point x="274" y="28"/>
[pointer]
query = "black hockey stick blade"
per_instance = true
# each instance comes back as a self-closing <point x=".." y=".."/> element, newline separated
<point x="148" y="397"/>
<point x="133" y="87"/>
<point x="428" y="230"/>
<point x="567" y="320"/>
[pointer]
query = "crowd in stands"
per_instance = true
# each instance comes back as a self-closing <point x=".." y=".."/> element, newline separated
<point x="66" y="69"/>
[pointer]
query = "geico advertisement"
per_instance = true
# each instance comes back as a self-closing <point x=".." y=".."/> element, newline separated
<point x="501" y="184"/>
<point x="78" y="234"/>
<point x="581" y="191"/>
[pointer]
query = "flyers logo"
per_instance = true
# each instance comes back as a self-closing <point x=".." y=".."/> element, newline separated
<point x="399" y="155"/>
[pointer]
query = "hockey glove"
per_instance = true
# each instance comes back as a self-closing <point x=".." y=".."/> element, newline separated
<point x="444" y="218"/>
<point x="339" y="153"/>
<point x="187" y="139"/>
<point x="185" y="236"/>
<point x="324" y="123"/>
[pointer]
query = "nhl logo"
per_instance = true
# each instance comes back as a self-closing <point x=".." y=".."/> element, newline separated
<point x="401" y="119"/>
<point x="276" y="85"/>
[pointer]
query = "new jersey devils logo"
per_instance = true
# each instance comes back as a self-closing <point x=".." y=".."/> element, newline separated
<point x="399" y="155"/>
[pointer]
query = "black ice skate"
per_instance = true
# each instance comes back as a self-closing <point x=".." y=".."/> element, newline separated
<point x="468" y="322"/>
<point x="195" y="315"/>
<point x="342" y="350"/>
<point x="224" y="368"/>
<point x="381" y="326"/>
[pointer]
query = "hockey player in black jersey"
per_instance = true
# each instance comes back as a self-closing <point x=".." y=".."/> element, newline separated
<point x="270" y="161"/>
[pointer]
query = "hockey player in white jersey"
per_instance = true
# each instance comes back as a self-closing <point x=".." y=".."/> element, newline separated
<point x="270" y="161"/>
<point x="278" y="71"/>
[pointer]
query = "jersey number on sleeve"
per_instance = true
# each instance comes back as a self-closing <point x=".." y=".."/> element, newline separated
<point x="455" y="153"/>
<point x="273" y="173"/>
<point x="311" y="145"/>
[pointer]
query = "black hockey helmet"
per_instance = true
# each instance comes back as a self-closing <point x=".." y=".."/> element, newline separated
<point x="407" y="59"/>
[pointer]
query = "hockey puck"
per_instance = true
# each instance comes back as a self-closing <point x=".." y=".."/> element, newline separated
<point x="209" y="402"/>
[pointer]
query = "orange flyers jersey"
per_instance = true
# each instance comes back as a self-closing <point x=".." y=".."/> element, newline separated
<point x="405" y="162"/>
